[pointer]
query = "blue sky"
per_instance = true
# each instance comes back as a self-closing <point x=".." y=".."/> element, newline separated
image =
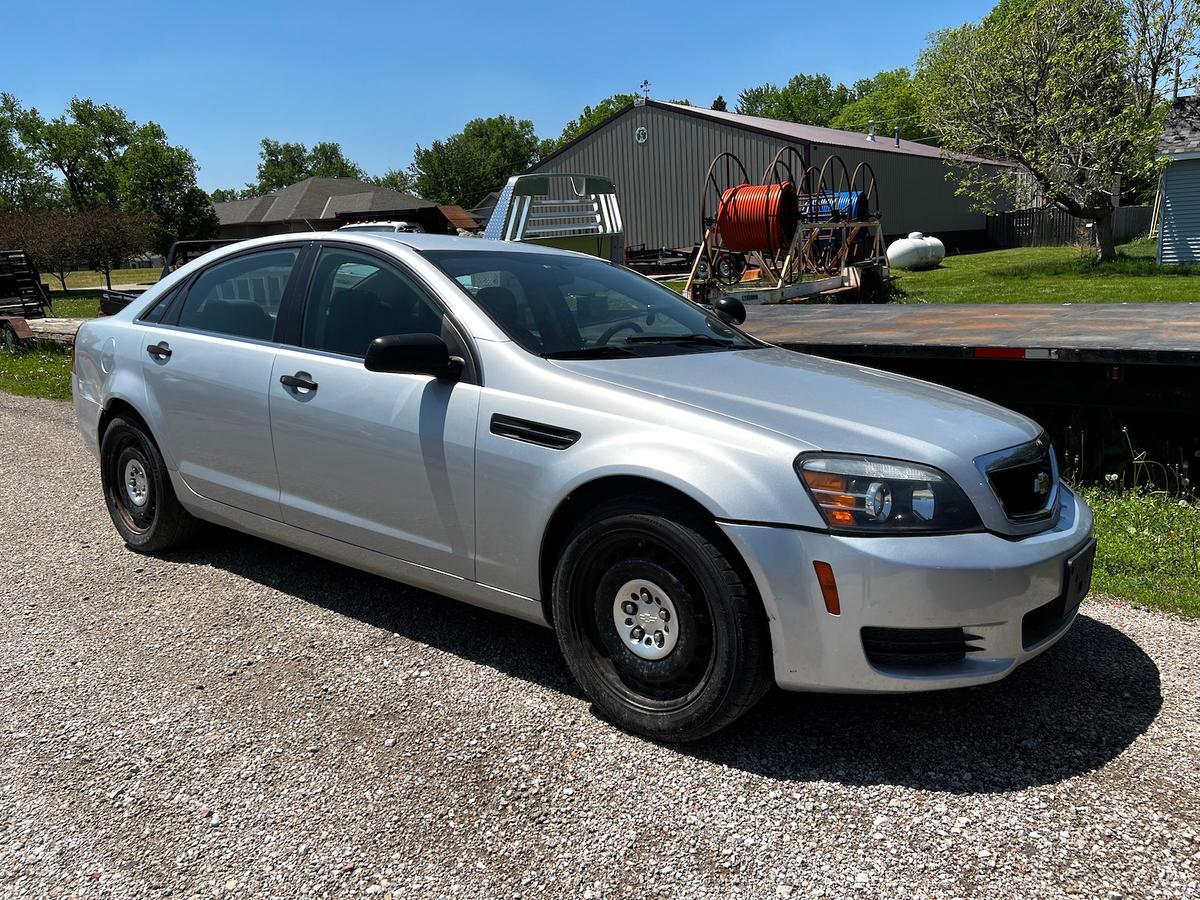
<point x="383" y="77"/>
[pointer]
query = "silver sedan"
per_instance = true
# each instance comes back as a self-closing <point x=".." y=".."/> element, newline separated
<point x="696" y="513"/>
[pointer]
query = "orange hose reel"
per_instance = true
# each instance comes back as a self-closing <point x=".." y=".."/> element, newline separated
<point x="758" y="218"/>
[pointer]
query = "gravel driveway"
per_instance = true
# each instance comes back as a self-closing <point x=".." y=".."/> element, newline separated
<point x="244" y="720"/>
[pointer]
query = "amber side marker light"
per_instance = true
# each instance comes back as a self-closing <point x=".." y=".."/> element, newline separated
<point x="828" y="587"/>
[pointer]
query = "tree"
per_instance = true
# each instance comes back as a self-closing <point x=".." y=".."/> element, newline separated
<point x="1071" y="90"/>
<point x="51" y="237"/>
<point x="719" y="104"/>
<point x="24" y="183"/>
<point x="82" y="145"/>
<point x="396" y="179"/>
<point x="108" y="161"/>
<point x="160" y="180"/>
<point x="465" y="166"/>
<point x="282" y="163"/>
<point x="808" y="99"/>
<point x="108" y="237"/>
<point x="591" y="116"/>
<point x="224" y="195"/>
<point x="891" y="100"/>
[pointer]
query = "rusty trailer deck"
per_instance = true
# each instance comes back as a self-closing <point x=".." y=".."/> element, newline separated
<point x="1112" y="334"/>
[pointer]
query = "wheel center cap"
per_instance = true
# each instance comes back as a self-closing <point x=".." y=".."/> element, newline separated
<point x="136" y="483"/>
<point x="646" y="619"/>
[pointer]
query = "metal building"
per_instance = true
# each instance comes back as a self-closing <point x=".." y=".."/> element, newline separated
<point x="1179" y="190"/>
<point x="657" y="154"/>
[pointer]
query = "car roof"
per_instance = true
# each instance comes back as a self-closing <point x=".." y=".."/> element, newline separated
<point x="375" y="224"/>
<point x="422" y="242"/>
<point x="415" y="241"/>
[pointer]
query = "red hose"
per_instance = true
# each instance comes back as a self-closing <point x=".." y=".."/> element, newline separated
<point x="758" y="217"/>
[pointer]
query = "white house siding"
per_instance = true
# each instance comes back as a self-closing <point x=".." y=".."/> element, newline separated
<point x="1179" y="233"/>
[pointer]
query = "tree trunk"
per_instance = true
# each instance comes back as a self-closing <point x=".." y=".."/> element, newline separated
<point x="108" y="277"/>
<point x="1105" y="248"/>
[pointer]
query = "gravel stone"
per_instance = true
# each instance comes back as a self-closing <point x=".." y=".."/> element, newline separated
<point x="238" y="719"/>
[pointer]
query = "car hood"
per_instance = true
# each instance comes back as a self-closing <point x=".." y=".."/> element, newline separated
<point x="824" y="404"/>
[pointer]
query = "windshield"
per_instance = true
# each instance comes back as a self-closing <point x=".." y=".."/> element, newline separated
<point x="575" y="307"/>
<point x="378" y="229"/>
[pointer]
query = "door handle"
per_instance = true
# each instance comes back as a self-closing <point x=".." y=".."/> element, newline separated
<point x="298" y="382"/>
<point x="161" y="350"/>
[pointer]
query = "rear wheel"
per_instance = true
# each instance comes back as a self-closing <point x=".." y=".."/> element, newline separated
<point x="657" y="624"/>
<point x="138" y="491"/>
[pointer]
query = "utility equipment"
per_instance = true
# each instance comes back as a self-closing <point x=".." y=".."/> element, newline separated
<point x="798" y="233"/>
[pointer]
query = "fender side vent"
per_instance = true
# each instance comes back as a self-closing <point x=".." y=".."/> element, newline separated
<point x="534" y="432"/>
<point x="917" y="646"/>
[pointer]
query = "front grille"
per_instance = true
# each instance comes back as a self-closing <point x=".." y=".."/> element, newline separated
<point x="1024" y="480"/>
<point x="888" y="647"/>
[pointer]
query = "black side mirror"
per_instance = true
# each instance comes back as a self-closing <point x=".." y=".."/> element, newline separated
<point x="413" y="354"/>
<point x="730" y="309"/>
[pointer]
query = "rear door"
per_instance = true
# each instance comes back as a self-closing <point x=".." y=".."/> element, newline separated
<point x="207" y="368"/>
<point x="380" y="460"/>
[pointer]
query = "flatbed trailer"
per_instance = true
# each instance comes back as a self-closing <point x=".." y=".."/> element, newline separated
<point x="1116" y="385"/>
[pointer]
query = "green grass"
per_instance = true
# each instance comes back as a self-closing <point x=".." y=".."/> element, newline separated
<point x="85" y="279"/>
<point x="41" y="371"/>
<point x="1044" y="275"/>
<point x="75" y="304"/>
<point x="1149" y="549"/>
<point x="1051" y="275"/>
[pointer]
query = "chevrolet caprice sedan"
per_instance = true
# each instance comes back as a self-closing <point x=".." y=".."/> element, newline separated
<point x="696" y="513"/>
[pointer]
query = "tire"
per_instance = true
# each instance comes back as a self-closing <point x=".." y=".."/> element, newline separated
<point x="138" y="491"/>
<point x="624" y="565"/>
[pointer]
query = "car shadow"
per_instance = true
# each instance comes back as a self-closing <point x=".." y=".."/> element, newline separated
<point x="1069" y="711"/>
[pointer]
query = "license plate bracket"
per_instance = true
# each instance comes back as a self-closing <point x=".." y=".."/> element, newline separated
<point x="1077" y="580"/>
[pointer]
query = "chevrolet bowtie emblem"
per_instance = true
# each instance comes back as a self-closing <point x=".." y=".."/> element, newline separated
<point x="1041" y="484"/>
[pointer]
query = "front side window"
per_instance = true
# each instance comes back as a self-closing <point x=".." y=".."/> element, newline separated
<point x="355" y="298"/>
<point x="240" y="297"/>
<point x="574" y="307"/>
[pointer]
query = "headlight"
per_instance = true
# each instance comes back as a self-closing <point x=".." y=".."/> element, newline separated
<point x="869" y="495"/>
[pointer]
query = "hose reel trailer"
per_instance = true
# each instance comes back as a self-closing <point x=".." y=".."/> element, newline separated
<point x="800" y="231"/>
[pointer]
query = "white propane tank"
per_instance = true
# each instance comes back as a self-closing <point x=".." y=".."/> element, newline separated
<point x="916" y="252"/>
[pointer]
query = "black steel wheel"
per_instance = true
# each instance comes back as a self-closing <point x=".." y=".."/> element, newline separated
<point x="657" y="624"/>
<point x="137" y="489"/>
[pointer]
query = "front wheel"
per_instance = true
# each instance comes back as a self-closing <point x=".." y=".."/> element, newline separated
<point x="657" y="624"/>
<point x="137" y="489"/>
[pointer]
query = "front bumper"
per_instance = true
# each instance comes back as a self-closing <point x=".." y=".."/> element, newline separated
<point x="982" y="583"/>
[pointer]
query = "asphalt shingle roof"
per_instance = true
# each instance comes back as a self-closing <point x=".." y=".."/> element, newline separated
<point x="1182" y="134"/>
<point x="315" y="199"/>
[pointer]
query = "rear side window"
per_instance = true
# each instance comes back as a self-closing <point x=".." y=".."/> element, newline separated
<point x="240" y="297"/>
<point x="159" y="308"/>
<point x="355" y="298"/>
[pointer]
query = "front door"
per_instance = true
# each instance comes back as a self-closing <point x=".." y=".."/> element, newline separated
<point x="207" y="372"/>
<point x="379" y="460"/>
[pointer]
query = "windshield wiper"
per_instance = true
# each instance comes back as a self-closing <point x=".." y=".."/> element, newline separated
<point x="705" y="340"/>
<point x="590" y="352"/>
